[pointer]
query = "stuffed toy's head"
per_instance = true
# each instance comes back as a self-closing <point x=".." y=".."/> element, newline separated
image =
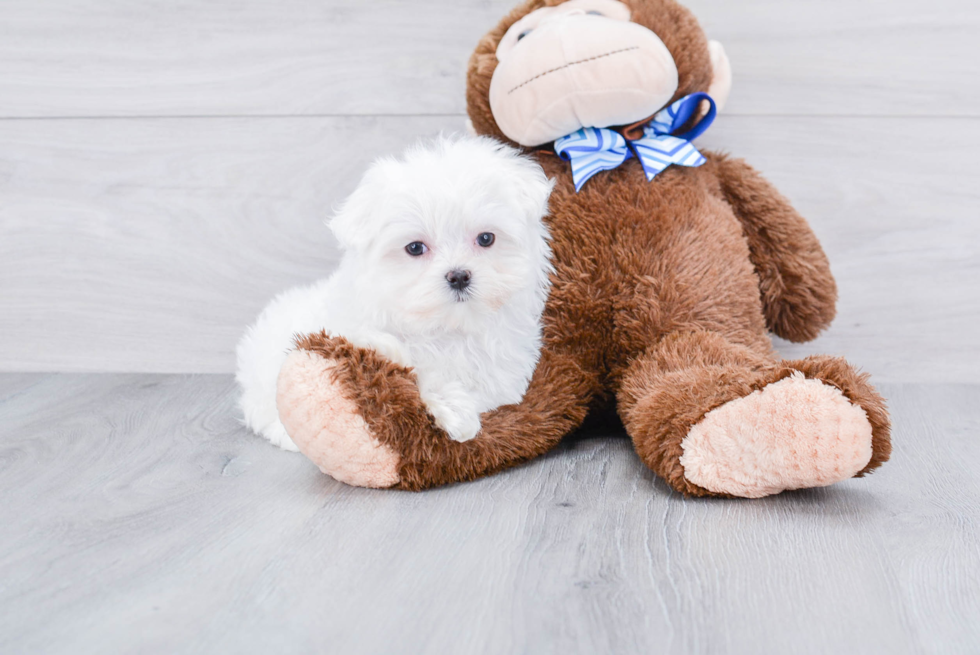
<point x="551" y="68"/>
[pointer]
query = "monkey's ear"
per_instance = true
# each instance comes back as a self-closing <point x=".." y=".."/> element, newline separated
<point x="721" y="78"/>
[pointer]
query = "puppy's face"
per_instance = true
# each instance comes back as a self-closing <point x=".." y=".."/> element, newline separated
<point x="448" y="235"/>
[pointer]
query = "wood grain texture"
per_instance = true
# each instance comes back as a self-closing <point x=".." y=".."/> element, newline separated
<point x="138" y="516"/>
<point x="247" y="57"/>
<point x="251" y="57"/>
<point x="147" y="245"/>
<point x="159" y="240"/>
<point x="846" y="58"/>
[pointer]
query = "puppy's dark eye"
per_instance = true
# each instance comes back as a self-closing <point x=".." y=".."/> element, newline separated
<point x="524" y="33"/>
<point x="416" y="249"/>
<point x="485" y="240"/>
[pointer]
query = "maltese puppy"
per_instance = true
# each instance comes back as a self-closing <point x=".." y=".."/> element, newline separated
<point x="445" y="270"/>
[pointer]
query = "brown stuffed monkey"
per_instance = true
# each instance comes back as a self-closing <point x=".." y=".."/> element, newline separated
<point x="663" y="290"/>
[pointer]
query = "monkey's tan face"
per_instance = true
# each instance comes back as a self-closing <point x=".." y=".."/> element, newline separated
<point x="579" y="64"/>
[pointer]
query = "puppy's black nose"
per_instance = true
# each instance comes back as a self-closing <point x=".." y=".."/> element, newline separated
<point x="458" y="280"/>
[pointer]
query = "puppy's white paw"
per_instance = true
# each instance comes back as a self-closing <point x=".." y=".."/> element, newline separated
<point x="453" y="411"/>
<point x="460" y="427"/>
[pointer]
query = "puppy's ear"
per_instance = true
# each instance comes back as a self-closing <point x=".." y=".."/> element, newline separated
<point x="352" y="221"/>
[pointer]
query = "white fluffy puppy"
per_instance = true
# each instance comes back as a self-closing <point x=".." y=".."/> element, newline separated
<point x="445" y="270"/>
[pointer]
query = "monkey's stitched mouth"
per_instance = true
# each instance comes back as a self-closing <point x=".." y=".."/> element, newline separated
<point x="572" y="63"/>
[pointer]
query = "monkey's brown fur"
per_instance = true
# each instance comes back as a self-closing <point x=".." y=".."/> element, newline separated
<point x="661" y="299"/>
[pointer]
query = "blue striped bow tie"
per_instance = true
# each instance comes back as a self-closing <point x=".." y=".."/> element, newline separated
<point x="594" y="149"/>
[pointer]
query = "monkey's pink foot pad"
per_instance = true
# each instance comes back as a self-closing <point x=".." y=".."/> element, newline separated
<point x="326" y="425"/>
<point x="793" y="434"/>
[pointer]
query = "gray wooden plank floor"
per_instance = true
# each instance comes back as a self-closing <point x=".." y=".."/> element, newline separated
<point x="138" y="516"/>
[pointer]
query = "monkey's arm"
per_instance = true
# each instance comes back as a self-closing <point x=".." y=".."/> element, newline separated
<point x="798" y="291"/>
<point x="360" y="418"/>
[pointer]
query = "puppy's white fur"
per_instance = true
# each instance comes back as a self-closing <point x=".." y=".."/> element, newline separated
<point x="471" y="351"/>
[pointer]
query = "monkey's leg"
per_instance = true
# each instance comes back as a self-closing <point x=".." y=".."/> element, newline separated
<point x="716" y="418"/>
<point x="360" y="418"/>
